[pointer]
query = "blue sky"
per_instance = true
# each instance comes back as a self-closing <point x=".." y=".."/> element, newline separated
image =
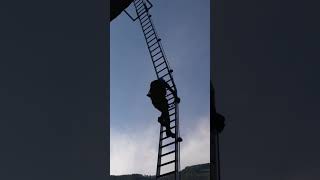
<point x="184" y="27"/>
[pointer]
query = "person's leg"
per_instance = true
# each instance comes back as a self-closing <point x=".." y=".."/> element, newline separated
<point x="161" y="120"/>
<point x="166" y="118"/>
<point x="160" y="104"/>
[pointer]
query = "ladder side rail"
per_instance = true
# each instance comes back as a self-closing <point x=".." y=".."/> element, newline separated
<point x="164" y="56"/>
<point x="159" y="152"/>
<point x="144" y="33"/>
<point x="161" y="49"/>
<point x="160" y="44"/>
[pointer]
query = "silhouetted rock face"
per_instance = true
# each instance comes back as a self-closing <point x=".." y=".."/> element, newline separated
<point x="196" y="172"/>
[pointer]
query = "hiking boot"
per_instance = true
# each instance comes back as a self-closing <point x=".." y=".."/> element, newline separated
<point x="170" y="134"/>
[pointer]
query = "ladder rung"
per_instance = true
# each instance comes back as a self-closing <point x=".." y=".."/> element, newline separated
<point x="140" y="10"/>
<point x="167" y="153"/>
<point x="164" y="75"/>
<point x="150" y="36"/>
<point x="153" y="44"/>
<point x="171" y="104"/>
<point x="148" y="31"/>
<point x="167" y="163"/>
<point x="165" y="174"/>
<point x="160" y="64"/>
<point x="143" y="12"/>
<point x="154" y="49"/>
<point x="144" y="21"/>
<point x="138" y="7"/>
<point x="158" y="59"/>
<point x="170" y="98"/>
<point x="164" y="138"/>
<point x="172" y="120"/>
<point x="171" y="108"/>
<point x="162" y="70"/>
<point x="168" y="93"/>
<point x="170" y="128"/>
<point x="143" y="16"/>
<point x="156" y="54"/>
<point x="151" y="40"/>
<point x="141" y="2"/>
<point x="146" y="28"/>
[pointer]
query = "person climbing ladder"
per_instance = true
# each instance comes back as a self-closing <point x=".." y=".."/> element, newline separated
<point x="158" y="93"/>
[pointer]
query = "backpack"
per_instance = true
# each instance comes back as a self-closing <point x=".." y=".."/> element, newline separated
<point x="158" y="88"/>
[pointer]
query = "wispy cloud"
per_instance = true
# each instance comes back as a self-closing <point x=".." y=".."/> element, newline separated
<point x="195" y="148"/>
<point x="136" y="152"/>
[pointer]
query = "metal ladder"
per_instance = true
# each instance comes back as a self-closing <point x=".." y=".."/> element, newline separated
<point x="168" y="147"/>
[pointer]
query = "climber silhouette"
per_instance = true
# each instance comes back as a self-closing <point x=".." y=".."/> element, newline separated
<point x="158" y="93"/>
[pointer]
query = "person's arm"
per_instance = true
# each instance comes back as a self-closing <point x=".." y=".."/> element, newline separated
<point x="172" y="91"/>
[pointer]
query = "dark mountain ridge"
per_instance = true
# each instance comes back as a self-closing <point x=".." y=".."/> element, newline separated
<point x="195" y="172"/>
